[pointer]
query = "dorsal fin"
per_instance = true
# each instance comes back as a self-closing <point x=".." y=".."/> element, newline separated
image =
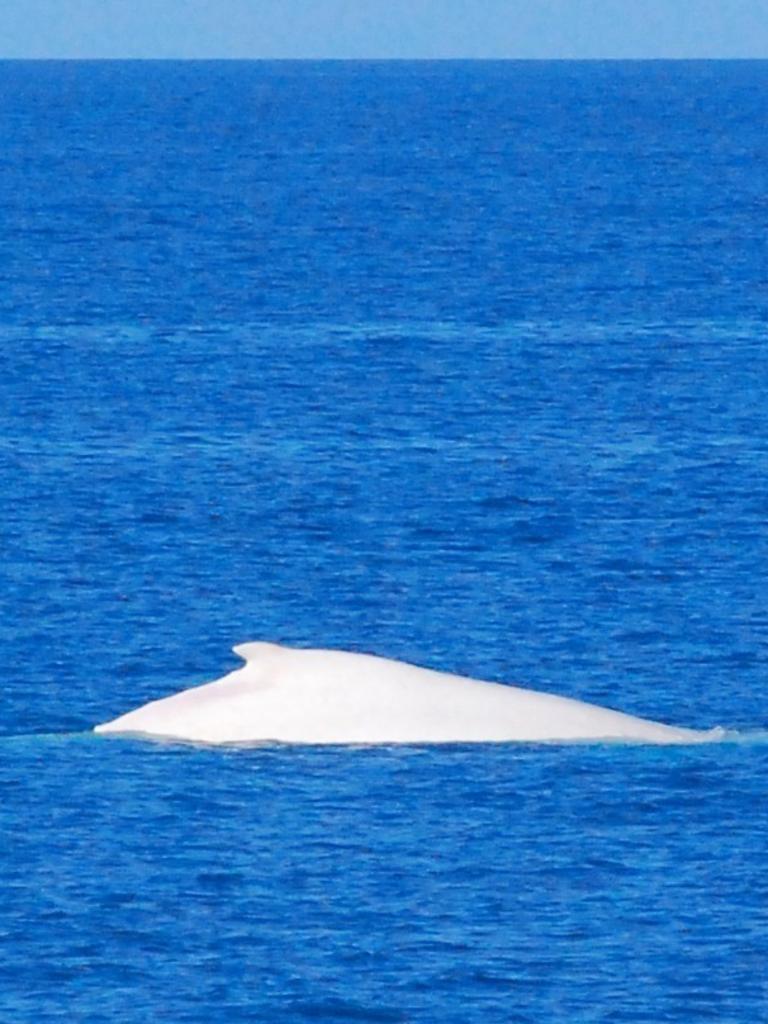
<point x="255" y="650"/>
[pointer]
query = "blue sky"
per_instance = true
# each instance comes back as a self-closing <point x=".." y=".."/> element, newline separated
<point x="384" y="28"/>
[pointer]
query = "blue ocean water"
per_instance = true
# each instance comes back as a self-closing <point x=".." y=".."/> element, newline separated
<point x="461" y="363"/>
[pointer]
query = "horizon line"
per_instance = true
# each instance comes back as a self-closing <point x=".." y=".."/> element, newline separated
<point x="384" y="60"/>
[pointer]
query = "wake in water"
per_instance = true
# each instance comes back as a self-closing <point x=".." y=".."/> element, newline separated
<point x="711" y="738"/>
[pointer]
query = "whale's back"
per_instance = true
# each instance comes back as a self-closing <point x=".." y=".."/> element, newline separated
<point x="326" y="696"/>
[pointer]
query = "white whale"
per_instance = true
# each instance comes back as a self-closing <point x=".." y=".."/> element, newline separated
<point x="320" y="696"/>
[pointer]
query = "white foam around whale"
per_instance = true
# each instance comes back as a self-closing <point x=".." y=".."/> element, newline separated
<point x="292" y="695"/>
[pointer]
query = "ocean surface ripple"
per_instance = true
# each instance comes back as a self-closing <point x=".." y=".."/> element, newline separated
<point x="462" y="364"/>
